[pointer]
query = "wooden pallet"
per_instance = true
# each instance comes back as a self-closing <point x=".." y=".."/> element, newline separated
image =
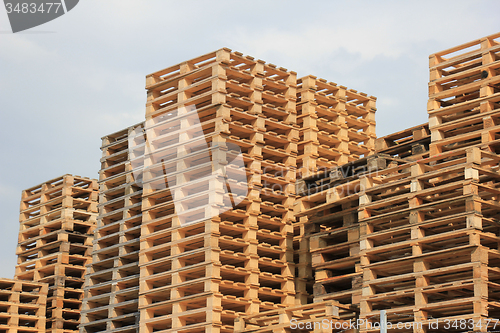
<point x="411" y="143"/>
<point x="201" y="253"/>
<point x="309" y="317"/>
<point x="337" y="125"/>
<point x="57" y="221"/>
<point x="463" y="94"/>
<point x="22" y="306"/>
<point x="112" y="279"/>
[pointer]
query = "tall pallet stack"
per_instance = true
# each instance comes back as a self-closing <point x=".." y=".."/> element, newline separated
<point x="337" y="126"/>
<point x="218" y="195"/>
<point x="57" y="219"/>
<point x="464" y="92"/>
<point x="112" y="280"/>
<point x="416" y="233"/>
<point x="22" y="306"/>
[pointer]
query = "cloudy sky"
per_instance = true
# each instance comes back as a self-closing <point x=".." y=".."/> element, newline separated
<point x="67" y="83"/>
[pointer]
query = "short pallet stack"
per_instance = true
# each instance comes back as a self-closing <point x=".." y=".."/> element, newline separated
<point x="320" y="317"/>
<point x="329" y="204"/>
<point x="112" y="280"/>
<point x="417" y="238"/>
<point x="429" y="239"/>
<point x="22" y="306"/>
<point x="464" y="92"/>
<point x="57" y="220"/>
<point x="411" y="143"/>
<point x="218" y="193"/>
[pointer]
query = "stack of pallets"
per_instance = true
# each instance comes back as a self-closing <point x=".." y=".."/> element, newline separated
<point x="464" y="94"/>
<point x="429" y="247"/>
<point x="411" y="143"/>
<point x="57" y="220"/>
<point x="415" y="237"/>
<point x="329" y="205"/>
<point x="337" y="125"/>
<point x="112" y="280"/>
<point x="416" y="232"/>
<point x="219" y="176"/>
<point x="22" y="306"/>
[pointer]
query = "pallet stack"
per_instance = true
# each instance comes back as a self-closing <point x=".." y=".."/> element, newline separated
<point x="22" y="306"/>
<point x="464" y="92"/>
<point x="57" y="219"/>
<point x="112" y="279"/>
<point x="329" y="205"/>
<point x="430" y="238"/>
<point x="416" y="238"/>
<point x="432" y="254"/>
<point x="415" y="232"/>
<point x="337" y="125"/>
<point x="219" y="178"/>
<point x="320" y="317"/>
<point x="411" y="143"/>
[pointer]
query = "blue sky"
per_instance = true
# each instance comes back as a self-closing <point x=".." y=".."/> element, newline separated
<point x="67" y="83"/>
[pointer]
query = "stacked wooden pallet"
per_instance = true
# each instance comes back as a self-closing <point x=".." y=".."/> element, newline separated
<point x="112" y="280"/>
<point x="429" y="246"/>
<point x="320" y="317"/>
<point x="464" y="94"/>
<point x="337" y="125"/>
<point x="329" y="207"/>
<point x="22" y="306"/>
<point x="218" y="194"/>
<point x="411" y="143"/>
<point x="57" y="219"/>
<point x="416" y="237"/>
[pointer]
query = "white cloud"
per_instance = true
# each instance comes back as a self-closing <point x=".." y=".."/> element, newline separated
<point x="7" y="191"/>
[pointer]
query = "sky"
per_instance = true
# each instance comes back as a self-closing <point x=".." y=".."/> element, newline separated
<point x="67" y="83"/>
